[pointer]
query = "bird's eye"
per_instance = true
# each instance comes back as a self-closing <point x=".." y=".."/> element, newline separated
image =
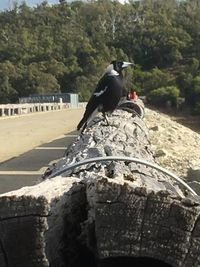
<point x="118" y="64"/>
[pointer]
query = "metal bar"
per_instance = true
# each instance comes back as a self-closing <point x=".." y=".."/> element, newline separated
<point x="121" y="158"/>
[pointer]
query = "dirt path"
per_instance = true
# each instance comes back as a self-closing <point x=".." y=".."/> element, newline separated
<point x="22" y="133"/>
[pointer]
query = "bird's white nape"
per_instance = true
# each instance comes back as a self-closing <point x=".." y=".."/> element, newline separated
<point x="110" y="70"/>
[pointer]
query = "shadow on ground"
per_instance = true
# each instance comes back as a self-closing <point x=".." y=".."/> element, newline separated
<point x="182" y="117"/>
<point x="27" y="168"/>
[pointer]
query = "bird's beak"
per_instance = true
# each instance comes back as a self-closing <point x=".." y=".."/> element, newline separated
<point x="126" y="64"/>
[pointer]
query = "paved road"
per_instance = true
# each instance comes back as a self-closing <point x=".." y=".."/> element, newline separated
<point x="26" y="146"/>
<point x="27" y="169"/>
<point x="22" y="133"/>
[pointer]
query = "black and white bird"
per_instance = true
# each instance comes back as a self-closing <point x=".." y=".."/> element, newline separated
<point x="107" y="94"/>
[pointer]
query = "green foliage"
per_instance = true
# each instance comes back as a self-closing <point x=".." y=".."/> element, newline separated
<point x="197" y="108"/>
<point x="147" y="81"/>
<point x="86" y="86"/>
<point x="195" y="94"/>
<point x="7" y="77"/>
<point x="35" y="81"/>
<point x="7" y="92"/>
<point x="184" y="82"/>
<point x="163" y="96"/>
<point x="196" y="88"/>
<point x="65" y="47"/>
<point x="156" y="78"/>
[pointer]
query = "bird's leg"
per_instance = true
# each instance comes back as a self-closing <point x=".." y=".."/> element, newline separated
<point x="84" y="126"/>
<point x="105" y="118"/>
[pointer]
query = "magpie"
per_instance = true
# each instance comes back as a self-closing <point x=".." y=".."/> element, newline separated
<point x="107" y="94"/>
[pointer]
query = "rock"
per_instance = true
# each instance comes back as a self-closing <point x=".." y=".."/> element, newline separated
<point x="155" y="128"/>
<point x="160" y="153"/>
<point x="179" y="142"/>
<point x="193" y="174"/>
<point x="102" y="210"/>
<point x="157" y="226"/>
<point x="196" y="186"/>
<point x="32" y="223"/>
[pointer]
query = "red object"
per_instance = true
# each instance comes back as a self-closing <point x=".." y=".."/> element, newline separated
<point x="133" y="95"/>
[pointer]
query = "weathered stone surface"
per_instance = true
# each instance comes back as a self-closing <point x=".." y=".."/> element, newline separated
<point x="102" y="211"/>
<point x="31" y="224"/>
<point x="160" y="153"/>
<point x="180" y="143"/>
<point x="141" y="224"/>
<point x="125" y="136"/>
<point x="193" y="174"/>
<point x="22" y="222"/>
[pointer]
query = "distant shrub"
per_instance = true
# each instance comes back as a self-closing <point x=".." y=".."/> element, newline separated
<point x="197" y="108"/>
<point x="196" y="83"/>
<point x="195" y="94"/>
<point x="163" y="96"/>
<point x="156" y="78"/>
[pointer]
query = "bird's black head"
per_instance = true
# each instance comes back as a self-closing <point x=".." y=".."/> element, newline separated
<point x="119" y="65"/>
<point x="116" y="67"/>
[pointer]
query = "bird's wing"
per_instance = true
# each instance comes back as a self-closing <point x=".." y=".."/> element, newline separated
<point x="95" y="100"/>
<point x="91" y="106"/>
<point x="103" y="85"/>
<point x="101" y="92"/>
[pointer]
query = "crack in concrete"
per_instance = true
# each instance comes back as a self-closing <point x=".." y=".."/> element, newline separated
<point x="24" y="216"/>
<point x="4" y="254"/>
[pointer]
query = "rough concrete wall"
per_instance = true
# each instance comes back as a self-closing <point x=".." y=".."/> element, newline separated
<point x="133" y="210"/>
<point x="131" y="222"/>
<point x="125" y="136"/>
<point x="32" y="223"/>
<point x="22" y="226"/>
<point x="101" y="210"/>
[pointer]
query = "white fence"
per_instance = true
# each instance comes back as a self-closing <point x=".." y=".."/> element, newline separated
<point x="19" y="109"/>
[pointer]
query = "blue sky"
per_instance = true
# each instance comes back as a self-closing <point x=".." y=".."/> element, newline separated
<point x="5" y="4"/>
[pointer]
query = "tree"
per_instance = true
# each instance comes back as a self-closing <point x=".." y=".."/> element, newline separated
<point x="65" y="47"/>
<point x="36" y="81"/>
<point x="7" y="93"/>
<point x="8" y="75"/>
<point x="195" y="95"/>
<point x="163" y="95"/>
<point x="156" y="78"/>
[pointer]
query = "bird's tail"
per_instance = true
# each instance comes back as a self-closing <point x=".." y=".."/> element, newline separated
<point x="81" y="123"/>
<point x="86" y="119"/>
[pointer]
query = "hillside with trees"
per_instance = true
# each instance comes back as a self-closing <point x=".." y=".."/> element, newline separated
<point x="65" y="48"/>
